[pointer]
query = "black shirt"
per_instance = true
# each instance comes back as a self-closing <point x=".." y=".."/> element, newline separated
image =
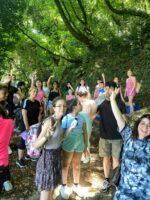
<point x="108" y="123"/>
<point x="33" y="110"/>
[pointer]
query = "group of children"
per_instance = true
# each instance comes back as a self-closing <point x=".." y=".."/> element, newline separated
<point x="61" y="144"/>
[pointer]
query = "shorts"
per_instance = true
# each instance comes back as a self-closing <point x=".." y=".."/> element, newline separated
<point x="22" y="144"/>
<point x="49" y="104"/>
<point x="110" y="148"/>
<point x="73" y="142"/>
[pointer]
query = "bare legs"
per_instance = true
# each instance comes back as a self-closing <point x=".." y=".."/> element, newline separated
<point x="130" y="98"/>
<point x="107" y="165"/>
<point x="67" y="157"/>
<point x="46" y="195"/>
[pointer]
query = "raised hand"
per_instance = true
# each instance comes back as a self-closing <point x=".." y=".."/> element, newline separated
<point x="114" y="93"/>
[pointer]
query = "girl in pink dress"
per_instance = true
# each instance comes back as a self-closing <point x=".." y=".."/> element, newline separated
<point x="130" y="88"/>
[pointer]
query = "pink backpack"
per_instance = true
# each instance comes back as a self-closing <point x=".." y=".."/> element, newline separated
<point x="30" y="139"/>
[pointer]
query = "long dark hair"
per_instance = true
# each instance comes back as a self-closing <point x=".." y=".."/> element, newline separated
<point x="135" y="133"/>
<point x="3" y="112"/>
<point x="71" y="104"/>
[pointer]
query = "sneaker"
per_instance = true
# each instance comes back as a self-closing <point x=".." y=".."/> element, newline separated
<point x="106" y="185"/>
<point x="78" y="190"/>
<point x="9" y="150"/>
<point x="29" y="158"/>
<point x="86" y="159"/>
<point x="7" y="186"/>
<point x="20" y="163"/>
<point x="65" y="192"/>
<point x="17" y="130"/>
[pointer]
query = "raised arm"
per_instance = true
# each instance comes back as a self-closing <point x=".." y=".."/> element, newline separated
<point x="116" y="111"/>
<point x="33" y="81"/>
<point x="49" y="80"/>
<point x="104" y="80"/>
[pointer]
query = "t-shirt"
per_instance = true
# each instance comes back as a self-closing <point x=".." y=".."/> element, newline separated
<point x="69" y="97"/>
<point x="68" y="119"/>
<point x="33" y="110"/>
<point x="135" y="168"/>
<point x="108" y="123"/>
<point x="6" y="129"/>
<point x="46" y="90"/>
<point x="40" y="96"/>
<point x="82" y="89"/>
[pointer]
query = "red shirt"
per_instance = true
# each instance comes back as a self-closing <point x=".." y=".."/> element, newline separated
<point x="6" y="129"/>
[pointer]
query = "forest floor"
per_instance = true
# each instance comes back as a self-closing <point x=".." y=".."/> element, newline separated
<point x="24" y="186"/>
<point x="92" y="175"/>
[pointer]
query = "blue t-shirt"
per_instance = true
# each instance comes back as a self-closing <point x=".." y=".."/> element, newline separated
<point x="101" y="90"/>
<point x="135" y="168"/>
<point x="68" y="119"/>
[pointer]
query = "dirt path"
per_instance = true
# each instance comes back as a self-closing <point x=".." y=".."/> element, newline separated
<point x="24" y="187"/>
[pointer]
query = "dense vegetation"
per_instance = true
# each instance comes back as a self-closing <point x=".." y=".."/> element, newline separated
<point x="76" y="38"/>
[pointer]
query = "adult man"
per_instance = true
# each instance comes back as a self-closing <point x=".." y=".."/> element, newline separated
<point x="110" y="140"/>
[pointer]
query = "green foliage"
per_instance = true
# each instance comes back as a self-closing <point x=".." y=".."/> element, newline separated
<point x="76" y="38"/>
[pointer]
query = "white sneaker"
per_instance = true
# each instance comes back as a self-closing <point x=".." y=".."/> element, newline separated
<point x="9" y="150"/>
<point x="7" y="186"/>
<point x="78" y="190"/>
<point x="86" y="159"/>
<point x="65" y="192"/>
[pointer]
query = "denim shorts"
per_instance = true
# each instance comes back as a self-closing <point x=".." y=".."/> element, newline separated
<point x="73" y="142"/>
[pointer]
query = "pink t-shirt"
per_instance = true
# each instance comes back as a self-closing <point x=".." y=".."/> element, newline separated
<point x="70" y="97"/>
<point x="40" y="96"/>
<point x="6" y="129"/>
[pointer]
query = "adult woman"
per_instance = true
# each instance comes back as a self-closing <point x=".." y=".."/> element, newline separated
<point x="48" y="170"/>
<point x="135" y="166"/>
<point x="130" y="91"/>
<point x="31" y="111"/>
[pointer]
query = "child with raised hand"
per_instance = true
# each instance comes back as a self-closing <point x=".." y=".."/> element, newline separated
<point x="48" y="170"/>
<point x="74" y="143"/>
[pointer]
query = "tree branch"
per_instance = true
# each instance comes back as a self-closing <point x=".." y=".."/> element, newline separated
<point x="83" y="11"/>
<point x="125" y="11"/>
<point x="77" y="16"/>
<point x="78" y="35"/>
<point x="54" y="56"/>
<point x="70" y="19"/>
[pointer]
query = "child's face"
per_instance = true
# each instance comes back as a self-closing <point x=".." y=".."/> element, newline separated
<point x="101" y="85"/>
<point x="60" y="108"/>
<point x="38" y="83"/>
<point x="70" y="92"/>
<point x="33" y="93"/>
<point x="3" y="96"/>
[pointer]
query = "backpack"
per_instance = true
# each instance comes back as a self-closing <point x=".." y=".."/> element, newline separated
<point x="32" y="135"/>
<point x="30" y="139"/>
